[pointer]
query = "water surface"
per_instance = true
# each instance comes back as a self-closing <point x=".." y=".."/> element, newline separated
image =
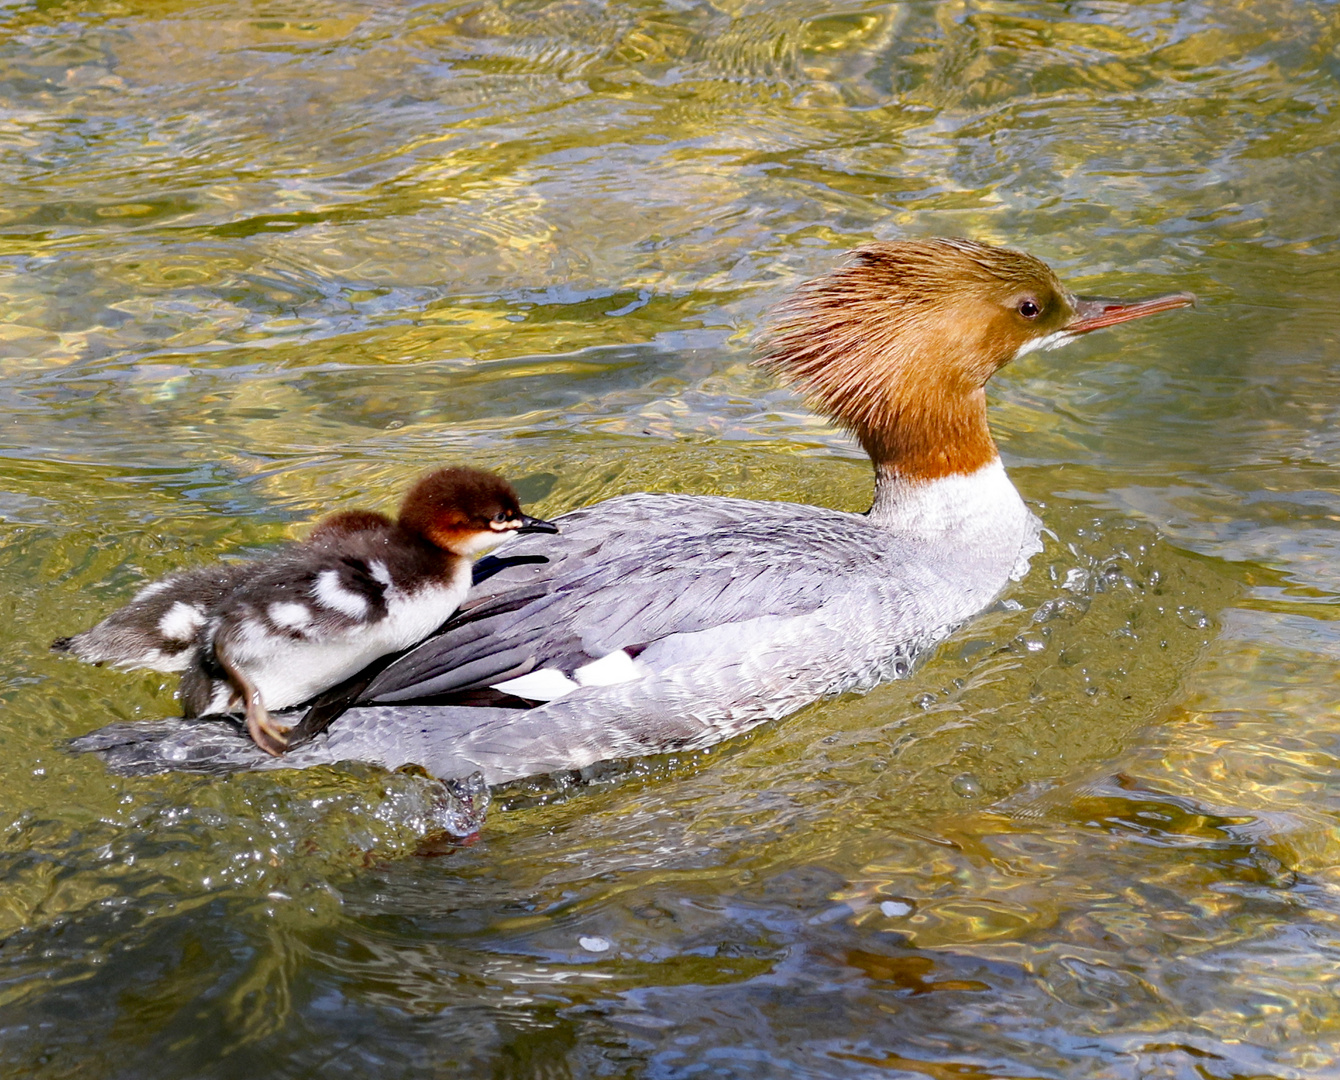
<point x="260" y="261"/>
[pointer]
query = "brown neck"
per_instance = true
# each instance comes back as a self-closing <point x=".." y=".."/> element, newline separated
<point x="924" y="438"/>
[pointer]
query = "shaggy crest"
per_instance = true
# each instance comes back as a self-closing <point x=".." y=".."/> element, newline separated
<point x="897" y="346"/>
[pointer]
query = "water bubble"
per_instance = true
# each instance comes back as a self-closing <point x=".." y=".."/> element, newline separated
<point x="460" y="806"/>
<point x="894" y="908"/>
<point x="925" y="700"/>
<point x="966" y="786"/>
<point x="1193" y="617"/>
<point x="595" y="944"/>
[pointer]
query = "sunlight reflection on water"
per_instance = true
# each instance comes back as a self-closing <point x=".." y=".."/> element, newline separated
<point x="258" y="262"/>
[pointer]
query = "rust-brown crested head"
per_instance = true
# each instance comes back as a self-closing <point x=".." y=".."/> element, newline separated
<point x="898" y="344"/>
<point x="462" y="510"/>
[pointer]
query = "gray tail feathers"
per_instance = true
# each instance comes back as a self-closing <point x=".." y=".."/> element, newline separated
<point x="154" y="746"/>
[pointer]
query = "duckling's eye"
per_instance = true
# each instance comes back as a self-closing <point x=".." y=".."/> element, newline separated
<point x="502" y="517"/>
<point x="1029" y="309"/>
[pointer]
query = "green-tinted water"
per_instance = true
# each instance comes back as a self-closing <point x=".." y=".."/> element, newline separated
<point x="262" y="260"/>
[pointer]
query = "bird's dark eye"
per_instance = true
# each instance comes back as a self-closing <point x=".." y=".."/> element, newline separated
<point x="1029" y="309"/>
<point x="502" y="517"/>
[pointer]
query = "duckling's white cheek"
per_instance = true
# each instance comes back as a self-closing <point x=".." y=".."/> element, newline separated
<point x="335" y="596"/>
<point x="181" y="621"/>
<point x="481" y="542"/>
<point x="380" y="574"/>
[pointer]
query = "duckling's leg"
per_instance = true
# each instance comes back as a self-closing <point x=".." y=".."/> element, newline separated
<point x="269" y="736"/>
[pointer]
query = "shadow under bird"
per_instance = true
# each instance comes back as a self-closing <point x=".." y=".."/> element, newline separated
<point x="276" y="632"/>
<point x="670" y="622"/>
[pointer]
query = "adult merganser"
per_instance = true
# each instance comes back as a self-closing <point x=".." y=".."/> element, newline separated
<point x="278" y="631"/>
<point x="667" y="622"/>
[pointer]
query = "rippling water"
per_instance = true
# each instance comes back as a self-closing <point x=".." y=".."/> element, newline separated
<point x="262" y="260"/>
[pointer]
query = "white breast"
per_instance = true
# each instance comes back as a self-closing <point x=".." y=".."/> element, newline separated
<point x="979" y="512"/>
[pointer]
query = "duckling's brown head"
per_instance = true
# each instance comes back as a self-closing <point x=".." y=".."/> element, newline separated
<point x="464" y="510"/>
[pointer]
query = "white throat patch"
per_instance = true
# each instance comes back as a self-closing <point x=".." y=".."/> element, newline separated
<point x="1054" y="340"/>
<point x="964" y="508"/>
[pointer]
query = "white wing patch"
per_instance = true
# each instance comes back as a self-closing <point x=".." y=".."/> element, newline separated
<point x="547" y="684"/>
<point x="550" y="684"/>
<point x="379" y="573"/>
<point x="181" y="621"/>
<point x="335" y="596"/>
<point x="615" y="667"/>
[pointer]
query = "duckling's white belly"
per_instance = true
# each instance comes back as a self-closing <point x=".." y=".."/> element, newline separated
<point x="288" y="670"/>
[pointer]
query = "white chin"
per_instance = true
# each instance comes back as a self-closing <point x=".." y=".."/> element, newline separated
<point x="1053" y="340"/>
<point x="481" y="542"/>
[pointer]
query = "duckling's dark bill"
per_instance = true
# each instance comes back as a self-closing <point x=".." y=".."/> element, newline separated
<point x="536" y="525"/>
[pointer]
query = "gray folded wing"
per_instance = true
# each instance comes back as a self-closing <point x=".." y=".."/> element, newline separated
<point x="633" y="571"/>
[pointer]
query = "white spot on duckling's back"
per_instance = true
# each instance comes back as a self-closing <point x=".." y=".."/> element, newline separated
<point x="153" y="588"/>
<point x="290" y="615"/>
<point x="335" y="596"/>
<point x="181" y="621"/>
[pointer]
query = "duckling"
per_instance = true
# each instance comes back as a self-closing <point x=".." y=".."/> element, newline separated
<point x="275" y="632"/>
